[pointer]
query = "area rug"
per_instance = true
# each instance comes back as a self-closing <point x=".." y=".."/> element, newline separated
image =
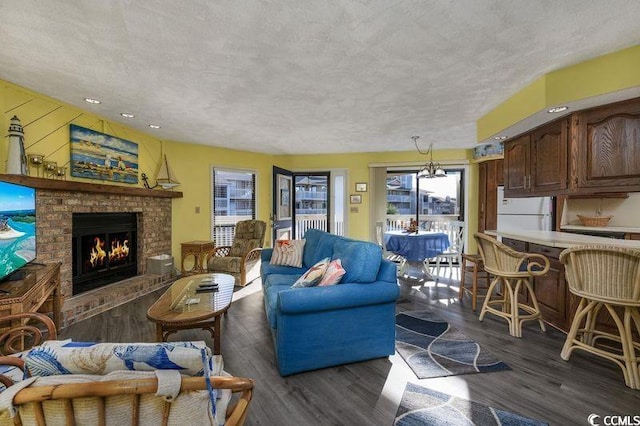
<point x="433" y="348"/>
<point x="421" y="406"/>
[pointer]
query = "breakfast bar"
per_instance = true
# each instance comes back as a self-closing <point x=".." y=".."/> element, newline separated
<point x="556" y="303"/>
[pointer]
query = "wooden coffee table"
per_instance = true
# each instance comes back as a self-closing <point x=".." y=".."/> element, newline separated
<point x="181" y="308"/>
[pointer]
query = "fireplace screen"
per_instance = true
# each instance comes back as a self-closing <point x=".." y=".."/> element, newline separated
<point x="103" y="249"/>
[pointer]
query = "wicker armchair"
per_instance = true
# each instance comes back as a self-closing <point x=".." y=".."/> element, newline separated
<point x="608" y="277"/>
<point x="514" y="271"/>
<point x="127" y="401"/>
<point x="242" y="258"/>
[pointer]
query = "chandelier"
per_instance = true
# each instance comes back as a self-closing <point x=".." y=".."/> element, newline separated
<point x="430" y="169"/>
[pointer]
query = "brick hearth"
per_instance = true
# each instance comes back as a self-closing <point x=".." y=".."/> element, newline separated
<point x="54" y="209"/>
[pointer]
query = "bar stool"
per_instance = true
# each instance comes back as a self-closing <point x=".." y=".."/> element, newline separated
<point x="609" y="277"/>
<point x="513" y="270"/>
<point x="472" y="263"/>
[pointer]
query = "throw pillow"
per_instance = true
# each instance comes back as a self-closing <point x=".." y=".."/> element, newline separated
<point x="288" y="253"/>
<point x="313" y="275"/>
<point x="333" y="274"/>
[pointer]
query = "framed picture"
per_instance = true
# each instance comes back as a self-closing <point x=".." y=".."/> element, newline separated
<point x="95" y="155"/>
<point x="361" y="187"/>
<point x="355" y="199"/>
<point x="284" y="197"/>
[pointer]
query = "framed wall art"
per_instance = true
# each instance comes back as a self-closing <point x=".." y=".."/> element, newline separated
<point x="96" y="155"/>
<point x="355" y="199"/>
<point x="361" y="187"/>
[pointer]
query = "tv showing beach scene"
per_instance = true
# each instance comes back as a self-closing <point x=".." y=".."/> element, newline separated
<point x="17" y="227"/>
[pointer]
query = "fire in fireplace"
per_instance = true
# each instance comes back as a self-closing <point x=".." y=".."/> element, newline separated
<point x="104" y="249"/>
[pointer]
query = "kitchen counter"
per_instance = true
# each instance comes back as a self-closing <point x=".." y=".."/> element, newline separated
<point x="619" y="229"/>
<point x="562" y="239"/>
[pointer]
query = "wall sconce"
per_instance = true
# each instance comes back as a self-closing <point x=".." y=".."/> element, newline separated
<point x="61" y="172"/>
<point x="35" y="160"/>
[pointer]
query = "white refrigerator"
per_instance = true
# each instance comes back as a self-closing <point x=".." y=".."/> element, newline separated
<point x="520" y="214"/>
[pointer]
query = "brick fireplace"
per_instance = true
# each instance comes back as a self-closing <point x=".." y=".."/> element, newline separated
<point x="57" y="201"/>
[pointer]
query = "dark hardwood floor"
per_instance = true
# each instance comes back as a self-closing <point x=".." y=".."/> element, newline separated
<point x="540" y="385"/>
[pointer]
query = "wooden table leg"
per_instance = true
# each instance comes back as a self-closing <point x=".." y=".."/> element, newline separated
<point x="217" y="330"/>
<point x="159" y="333"/>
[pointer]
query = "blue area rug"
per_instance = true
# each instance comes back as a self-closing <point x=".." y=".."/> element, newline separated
<point x="433" y="348"/>
<point x="421" y="406"/>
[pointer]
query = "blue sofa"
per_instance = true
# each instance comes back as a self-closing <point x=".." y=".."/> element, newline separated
<point x="317" y="327"/>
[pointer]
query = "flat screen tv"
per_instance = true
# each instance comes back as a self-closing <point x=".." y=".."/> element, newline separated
<point x="17" y="227"/>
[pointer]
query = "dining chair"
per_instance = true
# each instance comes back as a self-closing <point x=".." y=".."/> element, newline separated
<point x="455" y="231"/>
<point x="512" y="271"/>
<point x="605" y="277"/>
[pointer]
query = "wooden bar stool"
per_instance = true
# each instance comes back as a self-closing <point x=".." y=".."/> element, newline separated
<point x="472" y="263"/>
<point x="512" y="271"/>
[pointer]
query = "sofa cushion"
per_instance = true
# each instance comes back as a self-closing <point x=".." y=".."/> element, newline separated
<point x="313" y="276"/>
<point x="319" y="245"/>
<point x="288" y="253"/>
<point x="360" y="259"/>
<point x="333" y="274"/>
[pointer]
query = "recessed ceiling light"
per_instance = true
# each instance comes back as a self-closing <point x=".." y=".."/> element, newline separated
<point x="92" y="101"/>
<point x="127" y="115"/>
<point x="154" y="126"/>
<point x="500" y="138"/>
<point x="557" y="109"/>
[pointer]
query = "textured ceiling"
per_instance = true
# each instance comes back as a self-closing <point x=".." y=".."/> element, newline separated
<point x="302" y="76"/>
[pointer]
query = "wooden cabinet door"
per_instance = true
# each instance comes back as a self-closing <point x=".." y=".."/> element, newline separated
<point x="482" y="195"/>
<point x="489" y="176"/>
<point x="608" y="145"/>
<point x="517" y="166"/>
<point x="549" y="146"/>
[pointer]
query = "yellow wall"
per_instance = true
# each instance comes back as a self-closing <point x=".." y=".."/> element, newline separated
<point x="605" y="74"/>
<point x="46" y="124"/>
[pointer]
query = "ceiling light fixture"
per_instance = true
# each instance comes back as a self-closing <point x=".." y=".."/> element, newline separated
<point x="92" y="101"/>
<point x="430" y="169"/>
<point x="154" y="126"/>
<point x="127" y="115"/>
<point x="557" y="109"/>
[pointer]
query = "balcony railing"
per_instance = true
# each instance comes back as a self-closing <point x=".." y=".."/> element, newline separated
<point x="399" y="222"/>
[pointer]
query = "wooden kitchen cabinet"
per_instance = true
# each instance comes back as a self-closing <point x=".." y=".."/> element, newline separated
<point x="490" y="175"/>
<point x="536" y="163"/>
<point x="607" y="148"/>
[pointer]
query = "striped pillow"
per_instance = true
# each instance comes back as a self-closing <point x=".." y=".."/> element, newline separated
<point x="288" y="253"/>
<point x="333" y="274"/>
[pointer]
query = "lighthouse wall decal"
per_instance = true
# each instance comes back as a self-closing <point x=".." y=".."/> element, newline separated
<point x="16" y="157"/>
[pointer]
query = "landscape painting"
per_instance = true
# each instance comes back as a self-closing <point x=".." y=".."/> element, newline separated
<point x="95" y="155"/>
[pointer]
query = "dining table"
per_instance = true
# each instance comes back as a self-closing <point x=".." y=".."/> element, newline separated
<point x="416" y="247"/>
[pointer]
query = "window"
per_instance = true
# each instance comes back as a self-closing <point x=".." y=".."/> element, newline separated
<point x="234" y="199"/>
<point x="423" y="200"/>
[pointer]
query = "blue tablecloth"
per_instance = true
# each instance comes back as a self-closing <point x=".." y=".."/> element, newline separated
<point x="416" y="247"/>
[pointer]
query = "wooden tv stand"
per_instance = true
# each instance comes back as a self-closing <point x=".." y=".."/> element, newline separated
<point x="39" y="291"/>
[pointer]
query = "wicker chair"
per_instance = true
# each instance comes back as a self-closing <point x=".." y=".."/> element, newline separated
<point x="129" y="401"/>
<point x="608" y="277"/>
<point x="514" y="271"/>
<point x="122" y="397"/>
<point x="242" y="258"/>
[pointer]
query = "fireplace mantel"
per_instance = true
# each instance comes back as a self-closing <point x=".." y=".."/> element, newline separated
<point x="65" y="185"/>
